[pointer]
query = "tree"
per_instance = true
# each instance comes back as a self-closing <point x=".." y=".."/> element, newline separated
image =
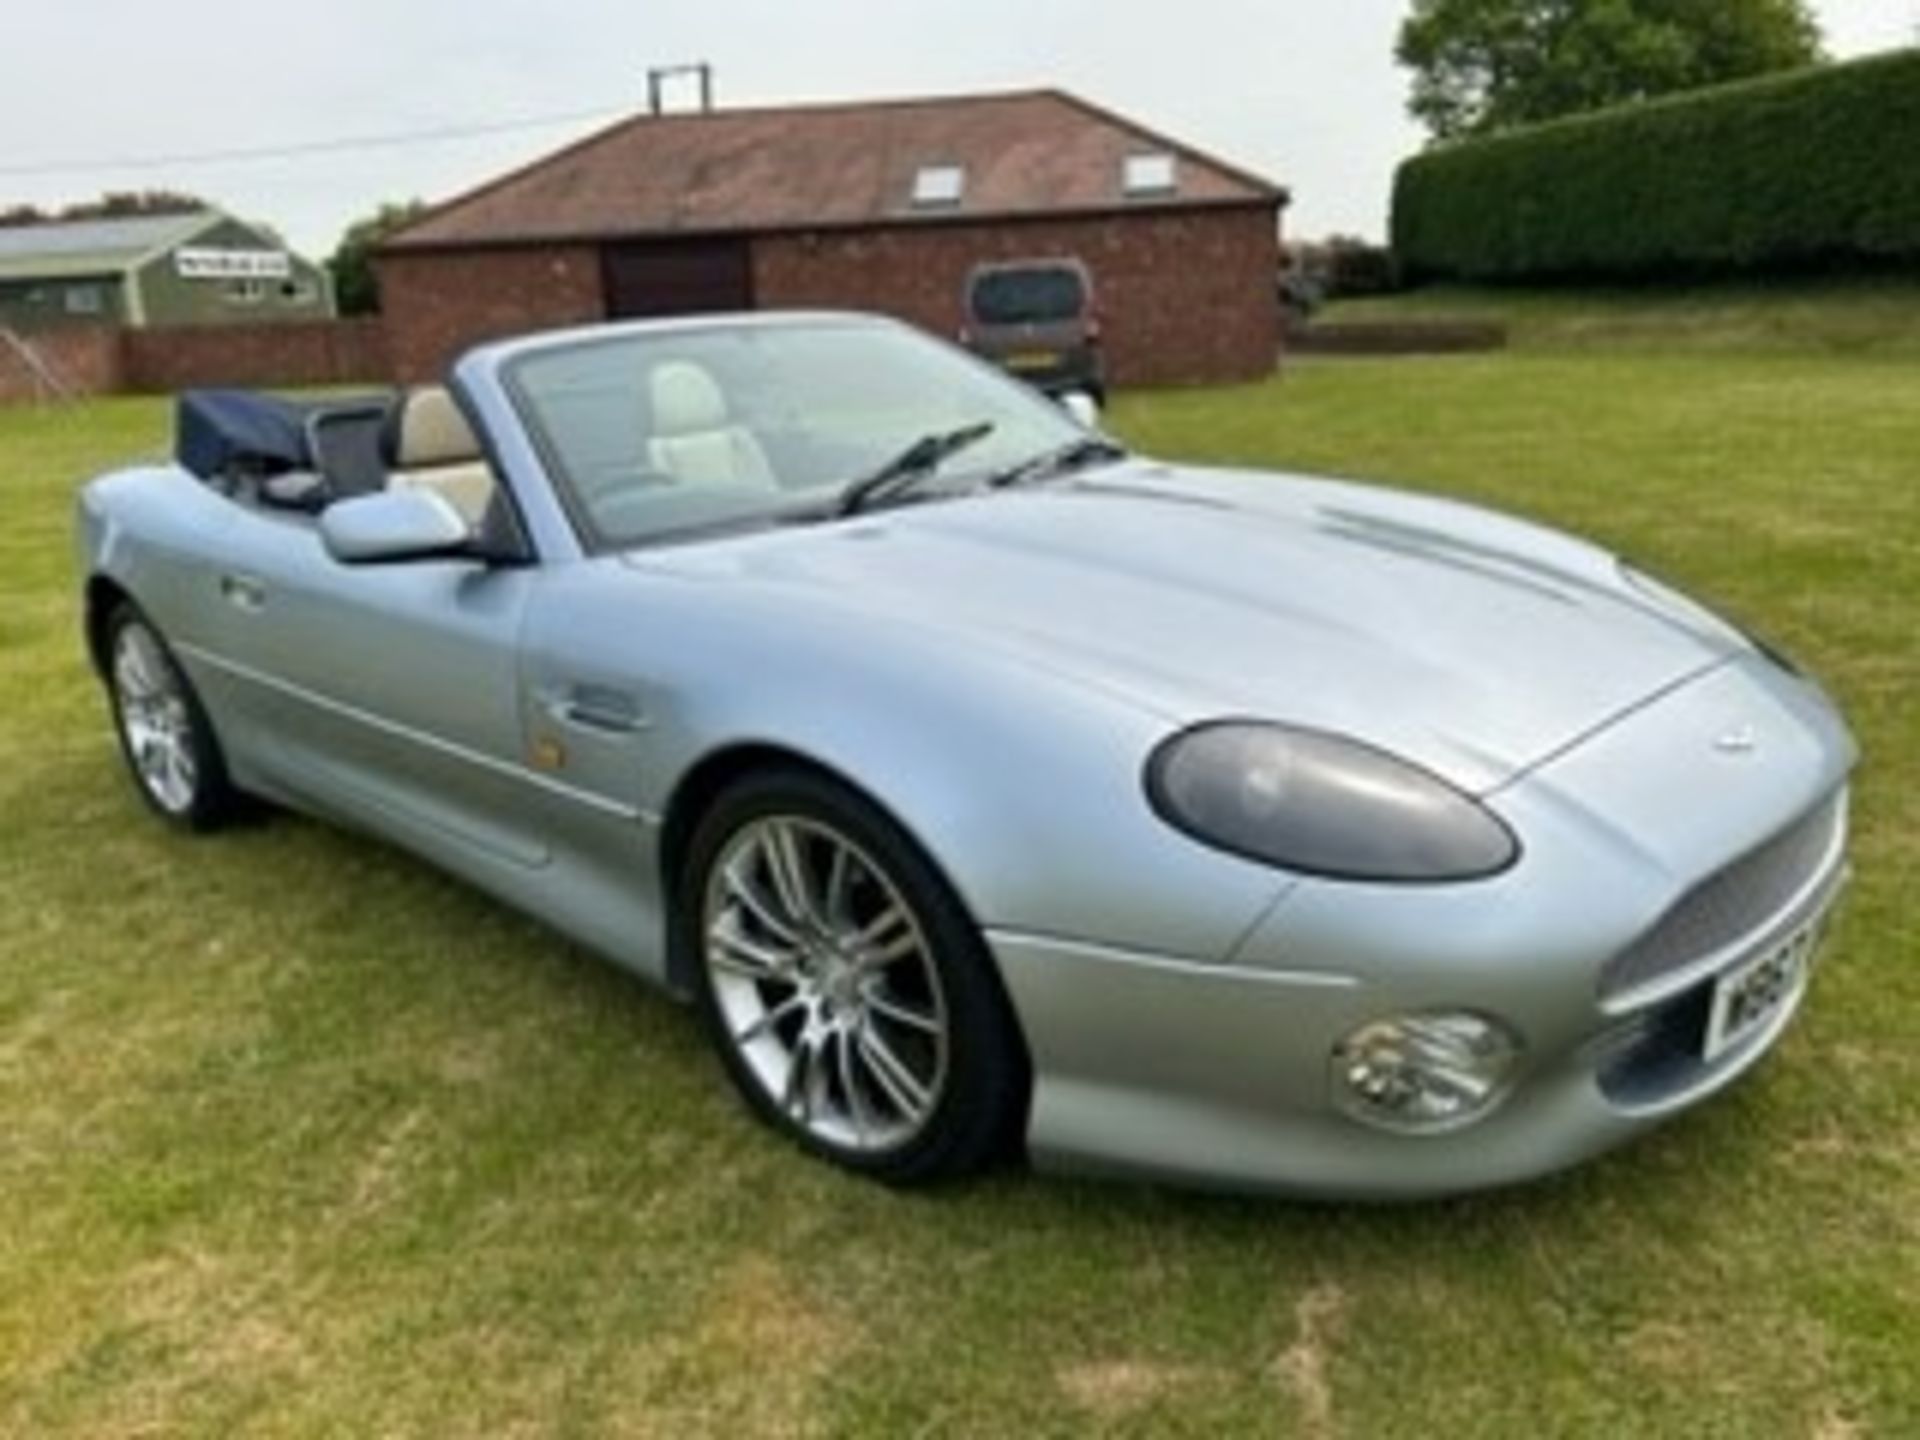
<point x="113" y="205"/>
<point x="356" y="290"/>
<point x="119" y="204"/>
<point x="1485" y="65"/>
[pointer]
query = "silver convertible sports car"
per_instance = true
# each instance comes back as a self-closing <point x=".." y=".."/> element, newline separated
<point x="985" y="785"/>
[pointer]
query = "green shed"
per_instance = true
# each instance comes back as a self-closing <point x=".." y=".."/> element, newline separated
<point x="200" y="267"/>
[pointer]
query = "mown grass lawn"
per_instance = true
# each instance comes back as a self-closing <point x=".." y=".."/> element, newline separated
<point x="297" y="1137"/>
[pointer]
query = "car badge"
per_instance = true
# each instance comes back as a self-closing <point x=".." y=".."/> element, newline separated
<point x="1741" y="741"/>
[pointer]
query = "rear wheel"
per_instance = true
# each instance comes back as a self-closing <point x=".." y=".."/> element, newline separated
<point x="849" y="994"/>
<point x="164" y="733"/>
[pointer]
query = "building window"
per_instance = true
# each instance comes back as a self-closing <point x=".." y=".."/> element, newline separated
<point x="245" y="292"/>
<point x="938" y="187"/>
<point x="83" y="300"/>
<point x="298" y="291"/>
<point x="1150" y="174"/>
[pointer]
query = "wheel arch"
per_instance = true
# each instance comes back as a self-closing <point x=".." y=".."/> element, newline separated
<point x="695" y="793"/>
<point x="103" y="595"/>
<point x="701" y="787"/>
<point x="707" y="779"/>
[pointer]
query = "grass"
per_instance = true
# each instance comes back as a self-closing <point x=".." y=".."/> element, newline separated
<point x="1841" y="316"/>
<point x="299" y="1138"/>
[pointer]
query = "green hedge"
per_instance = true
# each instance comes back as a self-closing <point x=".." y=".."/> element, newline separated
<point x="1819" y="167"/>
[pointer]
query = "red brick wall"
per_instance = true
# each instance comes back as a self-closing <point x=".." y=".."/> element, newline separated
<point x="102" y="360"/>
<point x="1186" y="296"/>
<point x="437" y="304"/>
<point x="320" y="352"/>
<point x="85" y="359"/>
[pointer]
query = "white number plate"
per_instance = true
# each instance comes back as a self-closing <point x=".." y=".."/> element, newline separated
<point x="1745" y="999"/>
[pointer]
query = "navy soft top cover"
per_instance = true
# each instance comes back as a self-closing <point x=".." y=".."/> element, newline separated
<point x="228" y="432"/>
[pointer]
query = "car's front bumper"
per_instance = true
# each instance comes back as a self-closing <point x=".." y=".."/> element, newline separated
<point x="1167" y="1070"/>
<point x="1219" y="1073"/>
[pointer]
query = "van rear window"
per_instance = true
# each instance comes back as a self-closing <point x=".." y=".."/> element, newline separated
<point x="1025" y="297"/>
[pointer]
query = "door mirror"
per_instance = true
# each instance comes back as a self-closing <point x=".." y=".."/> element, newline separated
<point x="1084" y="409"/>
<point x="394" y="526"/>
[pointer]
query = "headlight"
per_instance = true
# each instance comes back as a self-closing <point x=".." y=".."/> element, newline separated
<point x="1322" y="805"/>
<point x="1424" y="1073"/>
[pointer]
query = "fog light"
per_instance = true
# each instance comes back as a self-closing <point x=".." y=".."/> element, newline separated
<point x="1425" y="1073"/>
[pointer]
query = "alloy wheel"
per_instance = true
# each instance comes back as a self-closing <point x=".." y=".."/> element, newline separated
<point x="825" y="984"/>
<point x="155" y="719"/>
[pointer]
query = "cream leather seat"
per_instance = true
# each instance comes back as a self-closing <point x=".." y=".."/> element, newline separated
<point x="430" y="445"/>
<point x="693" y="438"/>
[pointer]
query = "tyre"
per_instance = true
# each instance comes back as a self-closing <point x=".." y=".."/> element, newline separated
<point x="850" y="996"/>
<point x="169" y="746"/>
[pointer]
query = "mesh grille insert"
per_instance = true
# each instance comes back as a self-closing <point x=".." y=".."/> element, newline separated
<point x="1730" y="903"/>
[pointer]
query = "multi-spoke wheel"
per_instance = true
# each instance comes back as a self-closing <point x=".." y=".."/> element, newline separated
<point x="850" y="995"/>
<point x="164" y="734"/>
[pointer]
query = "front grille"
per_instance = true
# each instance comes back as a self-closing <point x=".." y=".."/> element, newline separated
<point x="1730" y="904"/>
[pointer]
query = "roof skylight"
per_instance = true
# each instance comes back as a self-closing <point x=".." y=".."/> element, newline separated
<point x="939" y="186"/>
<point x="1150" y="174"/>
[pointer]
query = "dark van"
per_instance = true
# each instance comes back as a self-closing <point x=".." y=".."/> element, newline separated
<point x="1037" y="319"/>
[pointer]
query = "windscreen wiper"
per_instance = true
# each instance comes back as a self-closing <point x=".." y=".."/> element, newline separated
<point x="912" y="465"/>
<point x="1087" y="450"/>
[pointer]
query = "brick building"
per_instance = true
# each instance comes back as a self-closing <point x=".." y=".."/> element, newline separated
<point x="882" y="206"/>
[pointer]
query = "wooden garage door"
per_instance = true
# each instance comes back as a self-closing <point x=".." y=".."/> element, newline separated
<point x="677" y="277"/>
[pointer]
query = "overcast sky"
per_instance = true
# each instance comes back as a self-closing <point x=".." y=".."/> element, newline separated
<point x="1304" y="92"/>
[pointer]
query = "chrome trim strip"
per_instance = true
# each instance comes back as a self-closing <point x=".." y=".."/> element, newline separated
<point x="476" y="758"/>
<point x="1171" y="964"/>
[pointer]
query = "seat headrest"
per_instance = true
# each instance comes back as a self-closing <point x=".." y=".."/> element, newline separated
<point x="685" y="400"/>
<point x="426" y="429"/>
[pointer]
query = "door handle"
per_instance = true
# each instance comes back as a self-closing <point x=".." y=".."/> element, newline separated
<point x="596" y="707"/>
<point x="243" y="592"/>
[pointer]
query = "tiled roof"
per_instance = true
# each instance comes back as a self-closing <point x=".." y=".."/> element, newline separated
<point x="822" y="166"/>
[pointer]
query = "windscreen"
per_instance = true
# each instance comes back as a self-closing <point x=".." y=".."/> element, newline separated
<point x="1030" y="295"/>
<point x="671" y="433"/>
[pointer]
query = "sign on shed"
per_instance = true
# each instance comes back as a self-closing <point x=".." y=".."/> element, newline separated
<point x="198" y="262"/>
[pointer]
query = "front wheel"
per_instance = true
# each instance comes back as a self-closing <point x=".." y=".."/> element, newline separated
<point x="849" y="994"/>
<point x="169" y="744"/>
